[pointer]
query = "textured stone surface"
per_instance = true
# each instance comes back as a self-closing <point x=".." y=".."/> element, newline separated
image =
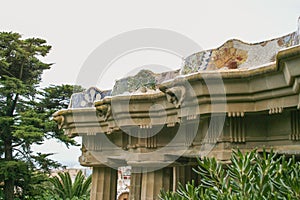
<point x="104" y="183"/>
<point x="142" y="82"/>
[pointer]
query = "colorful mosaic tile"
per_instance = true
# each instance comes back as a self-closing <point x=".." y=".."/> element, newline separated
<point x="235" y="54"/>
<point x="87" y="98"/>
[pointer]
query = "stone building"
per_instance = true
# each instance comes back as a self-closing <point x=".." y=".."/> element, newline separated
<point x="238" y="95"/>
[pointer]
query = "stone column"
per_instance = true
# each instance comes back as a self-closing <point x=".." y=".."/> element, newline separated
<point x="135" y="186"/>
<point x="104" y="183"/>
<point x="153" y="182"/>
<point x="183" y="174"/>
<point x="147" y="185"/>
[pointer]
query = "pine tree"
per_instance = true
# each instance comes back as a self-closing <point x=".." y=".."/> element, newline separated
<point x="25" y="112"/>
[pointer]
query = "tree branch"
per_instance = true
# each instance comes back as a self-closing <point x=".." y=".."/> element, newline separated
<point x="18" y="144"/>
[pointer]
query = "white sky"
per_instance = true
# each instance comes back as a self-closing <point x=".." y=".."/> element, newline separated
<point x="76" y="28"/>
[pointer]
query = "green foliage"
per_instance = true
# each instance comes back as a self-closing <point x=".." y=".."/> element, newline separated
<point x="25" y="114"/>
<point x="249" y="176"/>
<point x="55" y="98"/>
<point x="63" y="188"/>
<point x="12" y="169"/>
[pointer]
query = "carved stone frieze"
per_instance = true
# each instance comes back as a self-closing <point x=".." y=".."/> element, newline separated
<point x="275" y="110"/>
<point x="237" y="127"/>
<point x="236" y="114"/>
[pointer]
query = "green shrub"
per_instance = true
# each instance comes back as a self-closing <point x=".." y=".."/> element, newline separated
<point x="248" y="176"/>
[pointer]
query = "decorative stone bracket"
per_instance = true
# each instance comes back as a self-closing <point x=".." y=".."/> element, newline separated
<point x="176" y="95"/>
<point x="104" y="111"/>
<point x="60" y="120"/>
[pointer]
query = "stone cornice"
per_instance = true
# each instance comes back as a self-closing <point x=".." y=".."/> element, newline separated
<point x="269" y="89"/>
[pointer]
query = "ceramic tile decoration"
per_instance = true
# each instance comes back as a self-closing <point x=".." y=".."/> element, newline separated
<point x="87" y="98"/>
<point x="235" y="54"/>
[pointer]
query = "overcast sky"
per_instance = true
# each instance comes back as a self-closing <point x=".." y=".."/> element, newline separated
<point x="76" y="28"/>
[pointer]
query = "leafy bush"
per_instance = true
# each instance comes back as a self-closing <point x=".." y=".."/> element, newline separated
<point x="62" y="188"/>
<point x="248" y="176"/>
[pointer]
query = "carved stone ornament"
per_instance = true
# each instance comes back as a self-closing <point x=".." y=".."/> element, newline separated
<point x="176" y="95"/>
<point x="104" y="111"/>
<point x="236" y="114"/>
<point x="60" y="120"/>
<point x="275" y="110"/>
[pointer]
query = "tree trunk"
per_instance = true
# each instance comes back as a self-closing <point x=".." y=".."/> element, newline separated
<point x="9" y="189"/>
<point x="8" y="148"/>
<point x="9" y="183"/>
